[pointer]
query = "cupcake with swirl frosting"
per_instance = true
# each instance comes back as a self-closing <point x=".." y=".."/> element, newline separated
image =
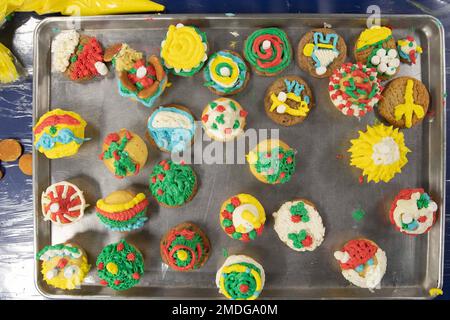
<point x="240" y="278"/>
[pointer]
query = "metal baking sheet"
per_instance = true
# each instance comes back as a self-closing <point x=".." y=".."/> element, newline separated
<point x="414" y="264"/>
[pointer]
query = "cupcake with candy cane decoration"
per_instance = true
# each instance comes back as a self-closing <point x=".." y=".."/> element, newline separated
<point x="268" y="51"/>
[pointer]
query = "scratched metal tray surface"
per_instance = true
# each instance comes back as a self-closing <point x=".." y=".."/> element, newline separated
<point x="414" y="264"/>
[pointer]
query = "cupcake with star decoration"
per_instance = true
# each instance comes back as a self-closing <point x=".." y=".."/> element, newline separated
<point x="224" y="119"/>
<point x="272" y="161"/>
<point x="380" y="152"/>
<point x="242" y="217"/>
<point x="173" y="184"/>
<point x="64" y="266"/>
<point x="184" y="50"/>
<point x="226" y="73"/>
<point x="408" y="50"/>
<point x="240" y="278"/>
<point x="299" y="225"/>
<point x="413" y="212"/>
<point x="185" y="247"/>
<point x="362" y="263"/>
<point x="120" y="266"/>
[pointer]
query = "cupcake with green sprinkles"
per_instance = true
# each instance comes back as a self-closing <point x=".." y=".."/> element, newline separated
<point x="120" y="266"/>
<point x="355" y="89"/>
<point x="173" y="184"/>
<point x="242" y="217"/>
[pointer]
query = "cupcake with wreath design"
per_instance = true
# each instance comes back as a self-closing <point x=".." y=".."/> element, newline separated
<point x="240" y="278"/>
<point x="184" y="50"/>
<point x="120" y="266"/>
<point x="123" y="210"/>
<point x="173" y="184"/>
<point x="185" y="247"/>
<point x="226" y="73"/>
<point x="272" y="161"/>
<point x="242" y="217"/>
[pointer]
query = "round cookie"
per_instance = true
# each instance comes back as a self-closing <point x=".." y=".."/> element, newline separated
<point x="268" y="51"/>
<point x="64" y="266"/>
<point x="299" y="225"/>
<point x="405" y="102"/>
<point x="184" y="50"/>
<point x="320" y="51"/>
<point x="226" y="73"/>
<point x="63" y="203"/>
<point x="185" y="247"/>
<point x="224" y="119"/>
<point x="120" y="266"/>
<point x="272" y="161"/>
<point x="354" y="89"/>
<point x="240" y="278"/>
<point x="288" y="100"/>
<point x="380" y="152"/>
<point x="123" y="210"/>
<point x="171" y="128"/>
<point x="10" y="150"/>
<point x="59" y="133"/>
<point x="26" y="164"/>
<point x="124" y="153"/>
<point x="362" y="263"/>
<point x="413" y="212"/>
<point x="376" y="47"/>
<point x="408" y="50"/>
<point x="242" y="217"/>
<point x="173" y="184"/>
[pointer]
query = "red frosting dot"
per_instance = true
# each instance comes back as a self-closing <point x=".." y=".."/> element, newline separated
<point x="131" y="256"/>
<point x="220" y="108"/>
<point x="116" y="282"/>
<point x="160" y="192"/>
<point x="100" y="266"/>
<point x="163" y="162"/>
<point x="166" y="167"/>
<point x="205" y="118"/>
<point x="289" y="160"/>
<point x="153" y="179"/>
<point x="243" y="288"/>
<point x="227" y="130"/>
<point x="235" y="201"/>
<point x="245" y="237"/>
<point x="307" y="241"/>
<point x="103" y="282"/>
<point x="282" y="175"/>
<point x="120" y="246"/>
<point x="226" y="215"/>
<point x="62" y="263"/>
<point x="296" y="218"/>
<point x="161" y="177"/>
<point x="136" y="276"/>
<point x="243" y="113"/>
<point x="409" y="38"/>
<point x="361" y="179"/>
<point x="422" y="219"/>
<point x="230" y="229"/>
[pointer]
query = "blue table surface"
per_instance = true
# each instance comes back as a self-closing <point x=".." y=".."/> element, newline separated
<point x="16" y="215"/>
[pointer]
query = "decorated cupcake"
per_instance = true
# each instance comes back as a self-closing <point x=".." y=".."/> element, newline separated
<point x="288" y="100"/>
<point x="171" y="128"/>
<point x="59" y="133"/>
<point x="413" y="212"/>
<point x="362" y="263"/>
<point x="78" y="56"/>
<point x="268" y="51"/>
<point x="184" y="50"/>
<point x="408" y="50"/>
<point x="320" y="51"/>
<point x="123" y="210"/>
<point x="64" y="266"/>
<point x="405" y="102"/>
<point x="120" y="266"/>
<point x="240" y="278"/>
<point x="226" y="73"/>
<point x="224" y="119"/>
<point x="299" y="225"/>
<point x="380" y="152"/>
<point x="185" y="247"/>
<point x="63" y="203"/>
<point x="124" y="153"/>
<point x="173" y="184"/>
<point x="242" y="217"/>
<point x="272" y="161"/>
<point x="377" y="49"/>
<point x="354" y="89"/>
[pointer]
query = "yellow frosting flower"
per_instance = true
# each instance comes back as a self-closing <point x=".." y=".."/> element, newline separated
<point x="380" y="152"/>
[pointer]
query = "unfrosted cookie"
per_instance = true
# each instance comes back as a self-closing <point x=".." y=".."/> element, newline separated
<point x="354" y="89"/>
<point x="408" y="50"/>
<point x="10" y="150"/>
<point x="413" y="212"/>
<point x="405" y="102"/>
<point x="376" y="47"/>
<point x="224" y="119"/>
<point x="226" y="73"/>
<point x="320" y="51"/>
<point x="288" y="100"/>
<point x="362" y="263"/>
<point x="299" y="225"/>
<point x="268" y="51"/>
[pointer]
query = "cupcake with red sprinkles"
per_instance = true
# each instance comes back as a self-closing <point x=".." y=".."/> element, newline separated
<point x="120" y="266"/>
<point x="354" y="89"/>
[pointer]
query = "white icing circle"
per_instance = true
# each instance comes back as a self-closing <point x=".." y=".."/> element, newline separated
<point x="141" y="72"/>
<point x="266" y="44"/>
<point x="281" y="108"/>
<point x="54" y="207"/>
<point x="225" y="72"/>
<point x="390" y="71"/>
<point x="101" y="68"/>
<point x="392" y="53"/>
<point x="51" y="274"/>
<point x="381" y="52"/>
<point x="375" y="60"/>
<point x="321" y="70"/>
<point x="385" y="59"/>
<point x="394" y="63"/>
<point x="282" y="96"/>
<point x="407" y="218"/>
<point x="382" y="67"/>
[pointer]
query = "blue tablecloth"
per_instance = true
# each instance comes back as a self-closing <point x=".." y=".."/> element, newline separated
<point x="16" y="223"/>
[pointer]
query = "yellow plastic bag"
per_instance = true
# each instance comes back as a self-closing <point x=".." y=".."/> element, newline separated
<point x="8" y="70"/>
<point x="7" y="7"/>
